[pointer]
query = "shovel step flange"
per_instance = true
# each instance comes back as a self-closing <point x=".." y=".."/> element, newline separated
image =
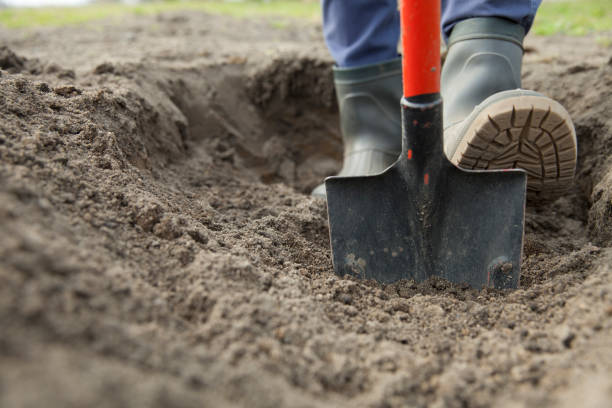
<point x="423" y="217"/>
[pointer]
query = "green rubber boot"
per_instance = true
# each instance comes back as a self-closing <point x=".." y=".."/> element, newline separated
<point x="490" y="123"/>
<point x="370" y="118"/>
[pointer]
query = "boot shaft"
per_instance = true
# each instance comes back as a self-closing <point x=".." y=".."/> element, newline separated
<point x="368" y="100"/>
<point x="484" y="57"/>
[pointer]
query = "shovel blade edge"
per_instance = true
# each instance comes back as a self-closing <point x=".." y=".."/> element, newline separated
<point x="464" y="226"/>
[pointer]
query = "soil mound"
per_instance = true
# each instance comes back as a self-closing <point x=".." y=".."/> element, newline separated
<point x="158" y="246"/>
<point x="9" y="61"/>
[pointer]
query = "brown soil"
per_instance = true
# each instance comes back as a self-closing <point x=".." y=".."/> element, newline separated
<point x="158" y="247"/>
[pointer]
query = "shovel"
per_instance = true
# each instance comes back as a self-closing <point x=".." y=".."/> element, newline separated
<point x="423" y="217"/>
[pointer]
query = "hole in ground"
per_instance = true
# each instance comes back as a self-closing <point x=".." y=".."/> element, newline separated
<point x="279" y="123"/>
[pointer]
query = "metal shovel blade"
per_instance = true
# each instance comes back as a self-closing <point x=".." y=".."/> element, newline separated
<point x="424" y="217"/>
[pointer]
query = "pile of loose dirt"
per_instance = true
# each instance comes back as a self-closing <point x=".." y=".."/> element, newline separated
<point x="158" y="247"/>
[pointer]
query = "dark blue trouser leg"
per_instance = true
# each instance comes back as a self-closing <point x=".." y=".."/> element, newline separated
<point x="519" y="11"/>
<point x="362" y="32"/>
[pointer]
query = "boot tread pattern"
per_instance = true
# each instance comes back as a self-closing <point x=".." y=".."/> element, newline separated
<point x="533" y="133"/>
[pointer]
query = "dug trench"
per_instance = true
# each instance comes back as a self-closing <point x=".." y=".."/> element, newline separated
<point x="158" y="245"/>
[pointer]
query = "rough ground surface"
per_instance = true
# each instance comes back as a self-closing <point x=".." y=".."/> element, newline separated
<point x="157" y="246"/>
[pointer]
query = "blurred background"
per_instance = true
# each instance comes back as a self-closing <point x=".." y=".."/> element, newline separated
<point x="568" y="17"/>
<point x="68" y="3"/>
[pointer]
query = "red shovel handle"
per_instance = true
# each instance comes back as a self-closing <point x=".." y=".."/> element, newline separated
<point x="420" y="21"/>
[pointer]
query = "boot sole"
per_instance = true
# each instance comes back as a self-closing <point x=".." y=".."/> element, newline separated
<point x="526" y="130"/>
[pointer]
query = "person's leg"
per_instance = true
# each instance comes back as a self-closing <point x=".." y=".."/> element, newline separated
<point x="361" y="32"/>
<point x="489" y="123"/>
<point x="362" y="36"/>
<point x="521" y="12"/>
<point x="489" y="41"/>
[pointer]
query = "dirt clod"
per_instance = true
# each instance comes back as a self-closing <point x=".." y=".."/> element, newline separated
<point x="11" y="62"/>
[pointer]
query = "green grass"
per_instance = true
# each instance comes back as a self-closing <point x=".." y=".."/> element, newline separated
<point x="61" y="16"/>
<point x="578" y="17"/>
